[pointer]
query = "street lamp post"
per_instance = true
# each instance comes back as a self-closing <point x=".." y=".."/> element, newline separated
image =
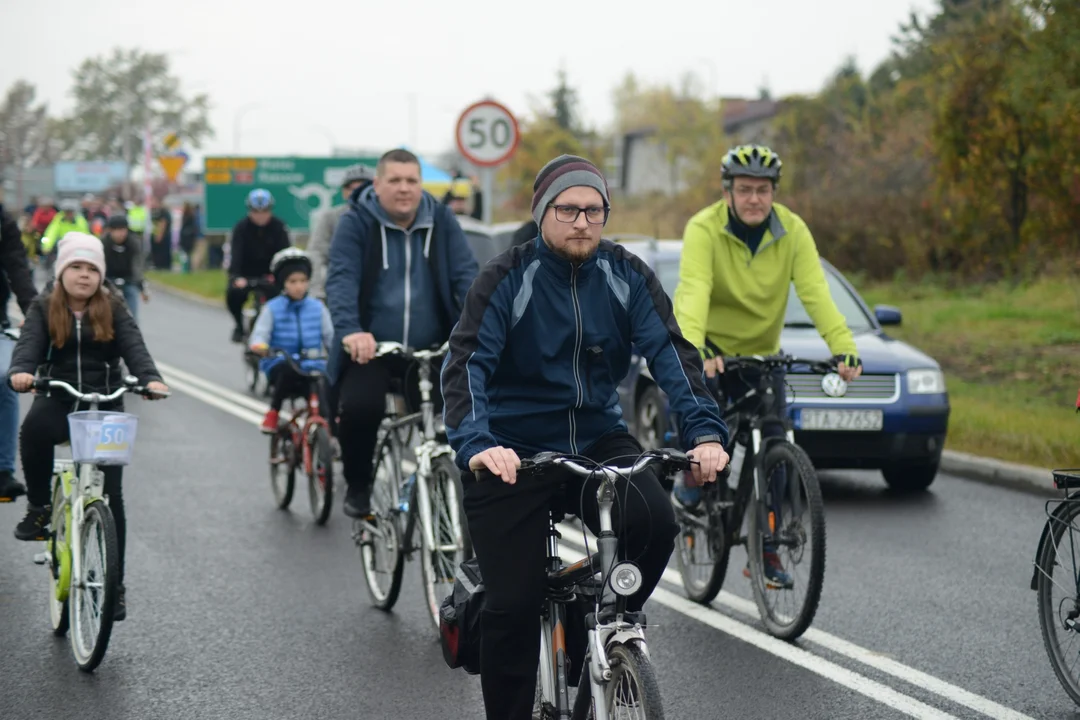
<point x="236" y="124"/>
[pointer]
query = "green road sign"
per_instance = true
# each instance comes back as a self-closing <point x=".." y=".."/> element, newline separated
<point x="300" y="186"/>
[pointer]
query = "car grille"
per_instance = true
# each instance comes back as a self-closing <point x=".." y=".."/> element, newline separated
<point x="865" y="389"/>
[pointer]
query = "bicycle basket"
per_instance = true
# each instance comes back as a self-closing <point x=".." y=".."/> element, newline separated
<point x="102" y="438"/>
<point x="1065" y="479"/>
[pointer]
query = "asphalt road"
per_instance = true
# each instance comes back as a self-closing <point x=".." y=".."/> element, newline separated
<point x="238" y="610"/>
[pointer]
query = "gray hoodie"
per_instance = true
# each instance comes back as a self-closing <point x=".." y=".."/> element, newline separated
<point x="404" y="305"/>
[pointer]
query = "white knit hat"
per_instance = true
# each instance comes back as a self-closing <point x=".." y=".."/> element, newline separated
<point x="80" y="247"/>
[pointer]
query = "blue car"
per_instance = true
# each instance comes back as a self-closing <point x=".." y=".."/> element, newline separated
<point x="893" y="418"/>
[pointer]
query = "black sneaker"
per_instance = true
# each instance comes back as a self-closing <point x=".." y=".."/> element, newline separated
<point x="120" y="611"/>
<point x="9" y="487"/>
<point x="35" y="526"/>
<point x="237" y="335"/>
<point x="357" y="503"/>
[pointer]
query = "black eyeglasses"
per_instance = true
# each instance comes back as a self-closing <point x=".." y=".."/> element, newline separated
<point x="570" y="213"/>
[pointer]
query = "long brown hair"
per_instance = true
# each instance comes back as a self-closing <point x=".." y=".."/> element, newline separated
<point x="99" y="311"/>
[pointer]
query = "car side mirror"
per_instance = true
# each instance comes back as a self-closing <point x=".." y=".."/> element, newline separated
<point x="887" y="314"/>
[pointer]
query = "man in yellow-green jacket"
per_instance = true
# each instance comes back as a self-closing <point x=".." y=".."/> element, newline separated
<point x="69" y="219"/>
<point x="739" y="258"/>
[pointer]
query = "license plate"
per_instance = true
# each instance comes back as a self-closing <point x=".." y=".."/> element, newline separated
<point x="859" y="420"/>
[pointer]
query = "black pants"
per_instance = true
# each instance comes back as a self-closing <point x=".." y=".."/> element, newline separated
<point x="509" y="524"/>
<point x="45" y="427"/>
<point x="361" y="405"/>
<point x="288" y="384"/>
<point x="234" y="299"/>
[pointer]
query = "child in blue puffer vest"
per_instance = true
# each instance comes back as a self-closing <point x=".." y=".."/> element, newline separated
<point x="293" y="322"/>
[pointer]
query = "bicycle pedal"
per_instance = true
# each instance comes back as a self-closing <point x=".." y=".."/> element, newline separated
<point x="41" y="558"/>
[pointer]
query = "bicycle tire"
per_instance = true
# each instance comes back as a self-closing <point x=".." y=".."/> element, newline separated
<point x="282" y="467"/>
<point x="626" y="660"/>
<point x="719" y="550"/>
<point x="799" y="621"/>
<point x="88" y="658"/>
<point x="437" y="567"/>
<point x="386" y="521"/>
<point x="1048" y="614"/>
<point x="321" y="477"/>
<point x="60" y="567"/>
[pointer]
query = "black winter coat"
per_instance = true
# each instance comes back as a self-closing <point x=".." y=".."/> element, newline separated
<point x="86" y="363"/>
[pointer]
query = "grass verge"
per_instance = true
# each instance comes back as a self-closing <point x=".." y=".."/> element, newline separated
<point x="1011" y="355"/>
<point x="207" y="283"/>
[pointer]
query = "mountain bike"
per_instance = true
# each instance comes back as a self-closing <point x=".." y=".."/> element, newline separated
<point x="423" y="502"/>
<point x="778" y="485"/>
<point x="617" y="678"/>
<point x="303" y="441"/>
<point x="1056" y="580"/>
<point x="82" y="553"/>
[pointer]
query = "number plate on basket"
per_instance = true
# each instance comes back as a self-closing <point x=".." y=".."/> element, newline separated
<point x="859" y="420"/>
<point x="113" y="440"/>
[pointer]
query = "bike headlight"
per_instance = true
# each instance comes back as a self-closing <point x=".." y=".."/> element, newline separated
<point x="925" y="382"/>
<point x="625" y="579"/>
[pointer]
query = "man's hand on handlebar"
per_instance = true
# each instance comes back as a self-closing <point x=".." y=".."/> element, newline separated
<point x="260" y="349"/>
<point x="713" y="366"/>
<point x="500" y="461"/>
<point x="21" y="382"/>
<point x="360" y="346"/>
<point x="156" y="390"/>
<point x="848" y="367"/>
<point x="710" y="460"/>
<point x="239" y="282"/>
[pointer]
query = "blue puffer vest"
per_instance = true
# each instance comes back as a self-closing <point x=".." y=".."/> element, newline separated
<point x="298" y="331"/>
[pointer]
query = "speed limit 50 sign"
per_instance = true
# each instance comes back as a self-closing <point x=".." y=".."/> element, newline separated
<point x="487" y="134"/>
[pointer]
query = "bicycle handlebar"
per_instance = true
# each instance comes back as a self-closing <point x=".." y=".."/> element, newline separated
<point x="672" y="459"/>
<point x="278" y="352"/>
<point x="130" y="385"/>
<point x="781" y="360"/>
<point x="392" y="348"/>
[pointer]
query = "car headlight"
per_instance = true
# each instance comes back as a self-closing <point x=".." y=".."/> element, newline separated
<point x="925" y="382"/>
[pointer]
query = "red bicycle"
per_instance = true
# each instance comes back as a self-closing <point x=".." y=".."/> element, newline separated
<point x="304" y="441"/>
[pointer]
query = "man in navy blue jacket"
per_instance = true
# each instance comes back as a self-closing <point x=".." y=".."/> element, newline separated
<point x="399" y="269"/>
<point x="534" y="365"/>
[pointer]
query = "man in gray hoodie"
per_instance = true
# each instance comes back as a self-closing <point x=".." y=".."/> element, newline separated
<point x="399" y="270"/>
<point x="318" y="247"/>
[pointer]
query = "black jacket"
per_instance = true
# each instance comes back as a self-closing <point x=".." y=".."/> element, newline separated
<point x="253" y="245"/>
<point x="124" y="260"/>
<point x="84" y="362"/>
<point x="16" y="270"/>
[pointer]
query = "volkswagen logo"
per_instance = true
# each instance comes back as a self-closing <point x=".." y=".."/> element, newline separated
<point x="833" y="385"/>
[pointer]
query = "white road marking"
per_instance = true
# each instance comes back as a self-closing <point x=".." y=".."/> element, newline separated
<point x="252" y="410"/>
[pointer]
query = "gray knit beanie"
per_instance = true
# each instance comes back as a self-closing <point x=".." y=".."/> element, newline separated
<point x="565" y="171"/>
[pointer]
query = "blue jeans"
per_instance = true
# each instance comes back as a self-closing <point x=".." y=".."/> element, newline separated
<point x="131" y="297"/>
<point x="9" y="409"/>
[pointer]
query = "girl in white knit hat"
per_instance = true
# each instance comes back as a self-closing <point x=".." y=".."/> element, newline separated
<point x="79" y="332"/>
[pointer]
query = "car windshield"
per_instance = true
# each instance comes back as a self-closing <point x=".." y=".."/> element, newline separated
<point x="668" y="273"/>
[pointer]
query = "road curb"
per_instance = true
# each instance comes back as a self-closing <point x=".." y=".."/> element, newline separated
<point x="971" y="467"/>
<point x="997" y="472"/>
<point x="185" y="295"/>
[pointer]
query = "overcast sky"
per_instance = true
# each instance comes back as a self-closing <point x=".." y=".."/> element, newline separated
<point x="300" y="77"/>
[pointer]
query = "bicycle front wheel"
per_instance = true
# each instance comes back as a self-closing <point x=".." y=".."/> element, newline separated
<point x="379" y="536"/>
<point x="443" y="544"/>
<point x="93" y="591"/>
<point x="786" y="543"/>
<point x="702" y="547"/>
<point x="321" y="477"/>
<point x="1058" y="590"/>
<point x="282" y="467"/>
<point x="632" y="691"/>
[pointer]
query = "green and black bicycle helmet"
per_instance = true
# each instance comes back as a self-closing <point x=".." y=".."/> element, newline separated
<point x="750" y="161"/>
